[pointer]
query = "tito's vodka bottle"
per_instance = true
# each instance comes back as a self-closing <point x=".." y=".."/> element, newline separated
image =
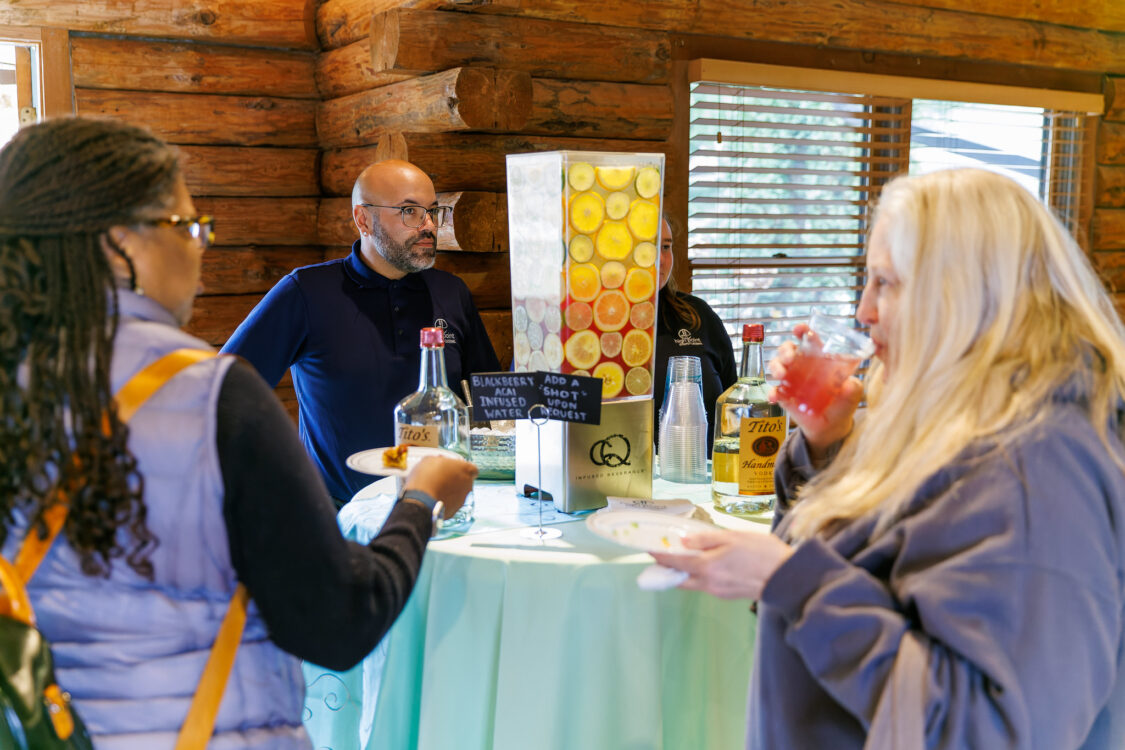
<point x="434" y="417"/>
<point x="749" y="431"/>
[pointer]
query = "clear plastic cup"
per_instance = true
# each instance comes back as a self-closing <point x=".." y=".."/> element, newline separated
<point x="683" y="423"/>
<point x="827" y="355"/>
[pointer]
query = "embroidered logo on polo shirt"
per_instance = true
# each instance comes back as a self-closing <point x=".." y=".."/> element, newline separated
<point x="449" y="336"/>
<point x="684" y="338"/>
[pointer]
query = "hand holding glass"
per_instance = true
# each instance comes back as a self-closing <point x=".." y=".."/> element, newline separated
<point x="829" y="352"/>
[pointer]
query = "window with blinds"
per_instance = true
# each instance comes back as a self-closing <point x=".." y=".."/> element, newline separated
<point x="782" y="183"/>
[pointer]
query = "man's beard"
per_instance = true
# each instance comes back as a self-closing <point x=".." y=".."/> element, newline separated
<point x="405" y="256"/>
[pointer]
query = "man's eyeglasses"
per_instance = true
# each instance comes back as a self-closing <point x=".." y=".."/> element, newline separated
<point x="201" y="228"/>
<point x="415" y="216"/>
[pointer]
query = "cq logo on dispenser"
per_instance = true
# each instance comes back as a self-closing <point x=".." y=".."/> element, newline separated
<point x="612" y="451"/>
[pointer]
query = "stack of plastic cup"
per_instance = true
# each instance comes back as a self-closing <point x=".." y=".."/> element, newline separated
<point x="683" y="423"/>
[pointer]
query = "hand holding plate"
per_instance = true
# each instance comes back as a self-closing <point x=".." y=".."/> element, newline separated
<point x="731" y="564"/>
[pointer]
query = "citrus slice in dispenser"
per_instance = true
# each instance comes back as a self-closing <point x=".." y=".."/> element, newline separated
<point x="583" y="350"/>
<point x="638" y="381"/>
<point x="637" y="348"/>
<point x="535" y="336"/>
<point x="644" y="254"/>
<point x="580" y="175"/>
<point x="647" y="183"/>
<point x="553" y="319"/>
<point x="613" y="377"/>
<point x="581" y="248"/>
<point x="611" y="343"/>
<point x="639" y="284"/>
<point x="613" y="274"/>
<point x="553" y="350"/>
<point x="617" y="205"/>
<point x="643" y="315"/>
<point x="584" y="283"/>
<point x="587" y="210"/>
<point x="644" y="219"/>
<point x="519" y="318"/>
<point x="615" y="178"/>
<point x="579" y="316"/>
<point x="521" y="349"/>
<point x="537" y="362"/>
<point x="536" y="308"/>
<point x="614" y="241"/>
<point x="611" y="310"/>
<point x="583" y="373"/>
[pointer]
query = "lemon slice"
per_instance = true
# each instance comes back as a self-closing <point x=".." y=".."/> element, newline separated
<point x="583" y="349"/>
<point x="613" y="274"/>
<point x="617" y="205"/>
<point x="614" y="241"/>
<point x="644" y="219"/>
<point x="613" y="378"/>
<point x="581" y="248"/>
<point x="587" y="210"/>
<point x="644" y="254"/>
<point x="647" y="183"/>
<point x="615" y="178"/>
<point x="639" y="284"/>
<point x="580" y="176"/>
<point x="584" y="282"/>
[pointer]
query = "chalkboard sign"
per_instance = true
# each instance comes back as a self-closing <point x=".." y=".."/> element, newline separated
<point x="509" y="395"/>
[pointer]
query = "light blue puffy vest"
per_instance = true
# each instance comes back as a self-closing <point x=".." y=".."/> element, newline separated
<point x="130" y="652"/>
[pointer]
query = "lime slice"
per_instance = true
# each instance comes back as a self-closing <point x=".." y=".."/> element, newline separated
<point x="580" y="176"/>
<point x="647" y="183"/>
<point x="581" y="248"/>
<point x="644" y="254"/>
<point x="617" y="205"/>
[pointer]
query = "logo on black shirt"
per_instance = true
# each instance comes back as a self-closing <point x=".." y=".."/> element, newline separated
<point x="447" y="335"/>
<point x="684" y="338"/>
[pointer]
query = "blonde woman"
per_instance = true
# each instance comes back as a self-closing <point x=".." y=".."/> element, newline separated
<point x="948" y="572"/>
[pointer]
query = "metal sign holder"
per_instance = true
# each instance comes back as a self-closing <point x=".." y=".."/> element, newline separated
<point x="538" y="413"/>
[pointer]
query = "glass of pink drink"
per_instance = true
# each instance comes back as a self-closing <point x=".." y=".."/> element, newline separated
<point x="829" y="353"/>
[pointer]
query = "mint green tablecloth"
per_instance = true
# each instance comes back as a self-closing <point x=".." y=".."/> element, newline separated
<point x="512" y="645"/>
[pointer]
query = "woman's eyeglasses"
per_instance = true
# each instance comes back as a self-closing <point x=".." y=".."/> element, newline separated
<point x="415" y="216"/>
<point x="201" y="228"/>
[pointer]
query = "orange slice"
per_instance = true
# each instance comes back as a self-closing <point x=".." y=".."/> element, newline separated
<point x="611" y="343"/>
<point x="644" y="254"/>
<point x="584" y="283"/>
<point x="617" y="205"/>
<point x="614" y="241"/>
<point x="647" y="183"/>
<point x="637" y="348"/>
<point x="582" y="248"/>
<point x="615" y="178"/>
<point x="638" y="381"/>
<point x="587" y="210"/>
<point x="613" y="377"/>
<point x="644" y="219"/>
<point x="579" y="316"/>
<point x="642" y="315"/>
<point x="613" y="274"/>
<point x="611" y="310"/>
<point x="640" y="284"/>
<point x="580" y="175"/>
<point x="583" y="350"/>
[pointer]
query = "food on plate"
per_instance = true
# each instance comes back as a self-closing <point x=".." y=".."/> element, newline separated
<point x="395" y="458"/>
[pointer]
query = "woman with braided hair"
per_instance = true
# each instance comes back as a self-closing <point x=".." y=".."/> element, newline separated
<point x="208" y="485"/>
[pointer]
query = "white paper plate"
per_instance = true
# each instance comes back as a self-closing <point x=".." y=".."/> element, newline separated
<point x="646" y="530"/>
<point x="371" y="461"/>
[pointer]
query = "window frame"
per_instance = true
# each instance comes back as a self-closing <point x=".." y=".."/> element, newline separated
<point x="57" y="93"/>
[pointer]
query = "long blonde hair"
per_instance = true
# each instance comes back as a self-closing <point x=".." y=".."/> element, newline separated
<point x="998" y="308"/>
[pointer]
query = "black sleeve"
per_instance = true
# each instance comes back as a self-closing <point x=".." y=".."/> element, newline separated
<point x="323" y="599"/>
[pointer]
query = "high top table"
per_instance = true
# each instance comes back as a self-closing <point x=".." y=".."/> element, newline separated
<point x="507" y="643"/>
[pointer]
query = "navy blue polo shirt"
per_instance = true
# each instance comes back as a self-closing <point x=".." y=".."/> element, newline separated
<point x="351" y="338"/>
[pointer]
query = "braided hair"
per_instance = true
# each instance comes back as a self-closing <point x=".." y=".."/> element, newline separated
<point x="63" y="184"/>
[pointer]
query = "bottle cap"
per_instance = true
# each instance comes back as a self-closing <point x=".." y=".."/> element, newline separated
<point x="433" y="337"/>
<point x="753" y="332"/>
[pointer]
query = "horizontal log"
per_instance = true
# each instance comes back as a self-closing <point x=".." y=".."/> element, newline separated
<point x="419" y="42"/>
<point x="1110" y="190"/>
<point x="252" y="270"/>
<point x="283" y="23"/>
<point x="145" y="65"/>
<point x="858" y="24"/>
<point x="465" y="161"/>
<point x="1111" y="267"/>
<point x="259" y="172"/>
<point x="600" y="110"/>
<point x="498" y="323"/>
<point x="262" y="221"/>
<point x="1109" y="229"/>
<point x="216" y="317"/>
<point x="1114" y="99"/>
<point x="208" y="119"/>
<point x="473" y="227"/>
<point x="1111" y="143"/>
<point x="341" y="22"/>
<point x="1107" y="15"/>
<point x="349" y="70"/>
<point x="457" y="99"/>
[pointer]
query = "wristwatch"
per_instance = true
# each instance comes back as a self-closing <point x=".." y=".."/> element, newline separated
<point x="436" y="507"/>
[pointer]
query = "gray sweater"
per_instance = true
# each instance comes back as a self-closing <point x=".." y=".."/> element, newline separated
<point x="1007" y="569"/>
